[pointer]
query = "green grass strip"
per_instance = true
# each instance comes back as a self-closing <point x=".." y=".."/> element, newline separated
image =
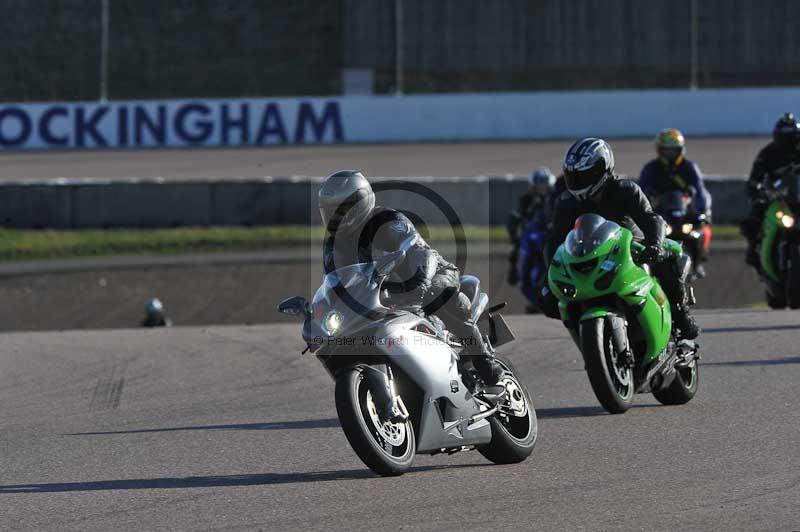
<point x="49" y="244"/>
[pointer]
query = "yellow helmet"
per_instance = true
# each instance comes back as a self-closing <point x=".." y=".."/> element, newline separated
<point x="670" y="146"/>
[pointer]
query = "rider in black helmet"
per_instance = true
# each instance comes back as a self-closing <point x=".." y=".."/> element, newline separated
<point x="359" y="231"/>
<point x="780" y="155"/>
<point x="592" y="187"/>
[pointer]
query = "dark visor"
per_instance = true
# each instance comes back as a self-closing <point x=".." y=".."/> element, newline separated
<point x="578" y="180"/>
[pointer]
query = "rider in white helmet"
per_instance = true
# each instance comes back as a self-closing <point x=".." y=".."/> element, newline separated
<point x="358" y="231"/>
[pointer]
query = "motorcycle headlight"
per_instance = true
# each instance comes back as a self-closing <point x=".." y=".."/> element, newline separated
<point x="332" y="322"/>
<point x="669" y="230"/>
<point x="567" y="289"/>
<point x="687" y="228"/>
<point x="787" y="220"/>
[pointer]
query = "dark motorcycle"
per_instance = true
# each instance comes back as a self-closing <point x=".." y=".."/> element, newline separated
<point x="691" y="230"/>
<point x="531" y="266"/>
<point x="780" y="241"/>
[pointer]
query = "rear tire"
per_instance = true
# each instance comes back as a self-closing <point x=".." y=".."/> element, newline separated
<point x="682" y="389"/>
<point x="388" y="448"/>
<point x="612" y="384"/>
<point x="513" y="438"/>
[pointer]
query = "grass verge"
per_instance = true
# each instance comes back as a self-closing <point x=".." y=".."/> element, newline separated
<point x="48" y="244"/>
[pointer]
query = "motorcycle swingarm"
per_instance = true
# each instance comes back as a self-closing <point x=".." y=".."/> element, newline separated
<point x="663" y="373"/>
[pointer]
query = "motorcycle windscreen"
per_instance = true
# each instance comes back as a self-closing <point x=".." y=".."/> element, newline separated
<point x="591" y="231"/>
<point x="673" y="203"/>
<point x="351" y="290"/>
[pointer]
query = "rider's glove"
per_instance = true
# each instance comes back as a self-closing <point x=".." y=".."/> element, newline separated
<point x="755" y="189"/>
<point x="652" y="253"/>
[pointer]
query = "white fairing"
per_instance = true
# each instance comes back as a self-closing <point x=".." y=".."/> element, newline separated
<point x="426" y="359"/>
<point x="432" y="365"/>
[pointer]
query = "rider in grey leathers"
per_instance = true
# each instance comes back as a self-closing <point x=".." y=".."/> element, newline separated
<point x="359" y="231"/>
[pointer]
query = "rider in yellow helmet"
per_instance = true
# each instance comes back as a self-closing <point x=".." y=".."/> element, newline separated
<point x="672" y="171"/>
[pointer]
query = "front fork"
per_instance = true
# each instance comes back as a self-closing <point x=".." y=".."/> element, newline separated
<point x="383" y="390"/>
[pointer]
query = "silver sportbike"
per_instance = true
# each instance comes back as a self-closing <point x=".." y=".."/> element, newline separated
<point x="402" y="384"/>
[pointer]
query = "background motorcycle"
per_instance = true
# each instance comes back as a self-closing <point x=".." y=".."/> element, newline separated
<point x="780" y="241"/>
<point x="531" y="265"/>
<point x="686" y="227"/>
<point x="619" y="317"/>
<point x="402" y="386"/>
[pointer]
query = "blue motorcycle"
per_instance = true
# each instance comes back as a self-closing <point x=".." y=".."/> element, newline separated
<point x="530" y="265"/>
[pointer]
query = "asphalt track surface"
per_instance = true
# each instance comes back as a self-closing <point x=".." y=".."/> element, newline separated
<point x="716" y="156"/>
<point x="230" y="428"/>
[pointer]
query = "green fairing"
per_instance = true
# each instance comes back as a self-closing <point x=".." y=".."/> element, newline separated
<point x="631" y="284"/>
<point x="771" y="227"/>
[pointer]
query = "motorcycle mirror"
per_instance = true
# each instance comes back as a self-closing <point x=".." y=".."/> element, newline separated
<point x="294" y="306"/>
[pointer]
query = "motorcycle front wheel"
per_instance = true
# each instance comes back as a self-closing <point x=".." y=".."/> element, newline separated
<point x="793" y="276"/>
<point x="385" y="447"/>
<point x="611" y="381"/>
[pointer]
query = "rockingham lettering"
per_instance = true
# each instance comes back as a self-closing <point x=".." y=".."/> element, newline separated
<point x="169" y="123"/>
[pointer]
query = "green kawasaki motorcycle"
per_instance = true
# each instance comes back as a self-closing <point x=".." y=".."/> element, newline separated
<point x="619" y="317"/>
<point x="780" y="242"/>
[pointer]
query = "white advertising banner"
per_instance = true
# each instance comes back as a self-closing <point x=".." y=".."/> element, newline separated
<point x="367" y="119"/>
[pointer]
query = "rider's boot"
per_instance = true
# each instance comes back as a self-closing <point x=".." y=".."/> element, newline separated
<point x="683" y="319"/>
<point x="674" y="282"/>
<point x="483" y="358"/>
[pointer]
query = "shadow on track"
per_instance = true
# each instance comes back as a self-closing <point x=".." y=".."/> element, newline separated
<point x="275" y="425"/>
<point x="579" y="411"/>
<point x="767" y="362"/>
<point x="716" y="330"/>
<point x="261" y="479"/>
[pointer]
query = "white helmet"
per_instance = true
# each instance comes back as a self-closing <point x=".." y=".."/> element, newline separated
<point x="588" y="164"/>
<point x="346" y="201"/>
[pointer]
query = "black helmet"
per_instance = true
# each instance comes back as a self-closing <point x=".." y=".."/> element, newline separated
<point x="588" y="164"/>
<point x="346" y="201"/>
<point x="787" y="131"/>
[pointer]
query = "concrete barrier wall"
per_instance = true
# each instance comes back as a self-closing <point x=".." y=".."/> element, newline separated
<point x="82" y="204"/>
<point x="374" y="119"/>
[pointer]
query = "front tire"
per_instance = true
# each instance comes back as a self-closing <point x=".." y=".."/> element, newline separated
<point x="386" y="448"/>
<point x="793" y="276"/>
<point x="682" y="389"/>
<point x="612" y="382"/>
<point x="513" y="434"/>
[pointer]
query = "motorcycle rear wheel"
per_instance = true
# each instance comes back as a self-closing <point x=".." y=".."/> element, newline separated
<point x="386" y="448"/>
<point x="682" y="389"/>
<point x="513" y="437"/>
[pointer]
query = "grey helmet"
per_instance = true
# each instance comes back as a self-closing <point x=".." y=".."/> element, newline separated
<point x="154" y="306"/>
<point x="542" y="180"/>
<point x="346" y="201"/>
<point x="588" y="165"/>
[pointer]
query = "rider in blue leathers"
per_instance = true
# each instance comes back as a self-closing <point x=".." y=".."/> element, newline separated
<point x="532" y="217"/>
<point x="671" y="170"/>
